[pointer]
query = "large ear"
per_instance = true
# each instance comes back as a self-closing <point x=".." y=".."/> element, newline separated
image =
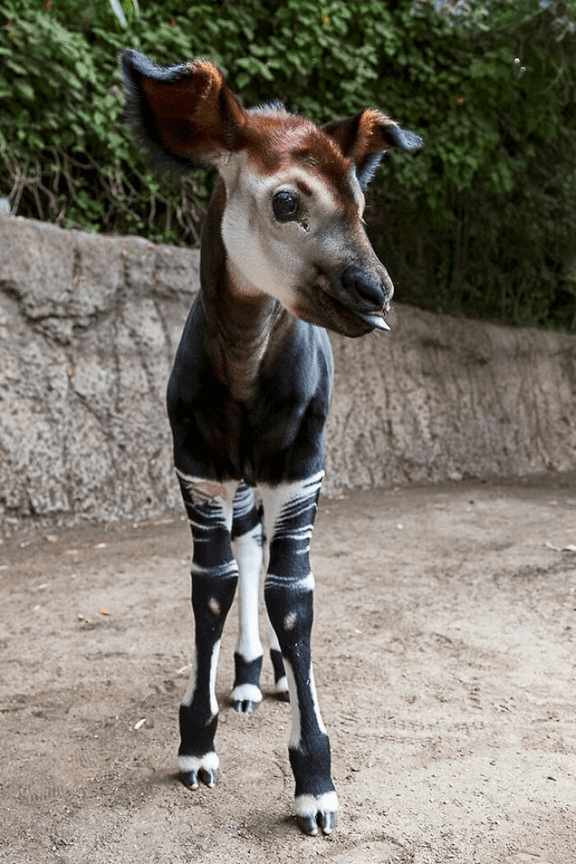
<point x="366" y="137"/>
<point x="184" y="116"/>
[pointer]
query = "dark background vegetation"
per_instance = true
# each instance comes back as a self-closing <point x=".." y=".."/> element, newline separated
<point x="481" y="221"/>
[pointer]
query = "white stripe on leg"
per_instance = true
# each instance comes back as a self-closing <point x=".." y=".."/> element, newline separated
<point x="248" y="553"/>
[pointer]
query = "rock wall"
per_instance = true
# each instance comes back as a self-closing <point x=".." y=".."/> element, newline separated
<point x="88" y="328"/>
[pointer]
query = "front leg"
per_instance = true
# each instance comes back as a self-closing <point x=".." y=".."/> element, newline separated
<point x="214" y="578"/>
<point x="289" y="511"/>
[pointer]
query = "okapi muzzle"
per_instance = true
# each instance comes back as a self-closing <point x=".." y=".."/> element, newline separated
<point x="283" y="249"/>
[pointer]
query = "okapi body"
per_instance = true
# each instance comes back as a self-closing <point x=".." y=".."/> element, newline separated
<point x="284" y="254"/>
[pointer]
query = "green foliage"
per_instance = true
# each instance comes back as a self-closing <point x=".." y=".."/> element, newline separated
<point x="481" y="221"/>
<point x="491" y="230"/>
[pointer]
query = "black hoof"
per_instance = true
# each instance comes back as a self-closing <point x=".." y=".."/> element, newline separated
<point x="310" y="824"/>
<point x="284" y="696"/>
<point x="192" y="779"/>
<point x="245" y="706"/>
<point x="327" y="822"/>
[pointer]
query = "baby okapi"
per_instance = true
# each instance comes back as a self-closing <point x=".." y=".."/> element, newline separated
<point x="284" y="254"/>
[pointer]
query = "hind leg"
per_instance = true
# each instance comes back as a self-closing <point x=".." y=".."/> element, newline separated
<point x="247" y="547"/>
<point x="251" y="551"/>
<point x="280" y="679"/>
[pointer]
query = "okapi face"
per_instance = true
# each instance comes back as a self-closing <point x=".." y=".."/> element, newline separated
<point x="292" y="220"/>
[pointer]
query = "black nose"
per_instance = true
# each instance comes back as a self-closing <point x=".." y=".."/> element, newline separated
<point x="363" y="287"/>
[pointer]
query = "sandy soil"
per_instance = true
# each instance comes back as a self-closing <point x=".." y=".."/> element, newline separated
<point x="444" y="655"/>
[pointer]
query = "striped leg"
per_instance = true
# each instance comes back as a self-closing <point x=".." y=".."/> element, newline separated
<point x="289" y="511"/>
<point x="280" y="679"/>
<point x="247" y="547"/>
<point x="214" y="577"/>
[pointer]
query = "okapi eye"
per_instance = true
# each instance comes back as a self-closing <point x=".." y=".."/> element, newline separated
<point x="284" y="204"/>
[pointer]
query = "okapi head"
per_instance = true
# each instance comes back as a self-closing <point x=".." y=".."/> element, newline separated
<point x="291" y="221"/>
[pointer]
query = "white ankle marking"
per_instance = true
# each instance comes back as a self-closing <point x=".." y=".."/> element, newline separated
<point x="209" y="762"/>
<point x="246" y="693"/>
<point x="310" y="805"/>
<point x="281" y="685"/>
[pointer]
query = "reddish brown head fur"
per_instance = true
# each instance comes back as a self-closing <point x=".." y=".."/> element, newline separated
<point x="198" y="114"/>
<point x="189" y="112"/>
<point x="290" y="218"/>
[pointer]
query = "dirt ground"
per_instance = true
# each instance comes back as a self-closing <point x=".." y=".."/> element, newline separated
<point x="445" y="655"/>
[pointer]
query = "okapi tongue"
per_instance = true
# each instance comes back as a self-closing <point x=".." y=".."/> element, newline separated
<point x="376" y="321"/>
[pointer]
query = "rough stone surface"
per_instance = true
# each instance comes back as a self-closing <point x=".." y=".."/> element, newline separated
<point x="446" y="398"/>
<point x="88" y="328"/>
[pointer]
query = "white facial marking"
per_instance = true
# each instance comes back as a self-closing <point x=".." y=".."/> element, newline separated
<point x="356" y="189"/>
<point x="266" y="254"/>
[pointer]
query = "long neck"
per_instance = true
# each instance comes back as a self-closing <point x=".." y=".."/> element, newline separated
<point x="243" y="328"/>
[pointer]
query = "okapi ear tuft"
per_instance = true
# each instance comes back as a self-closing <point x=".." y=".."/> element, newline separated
<point x="365" y="137"/>
<point x="184" y="116"/>
<point x="402" y="138"/>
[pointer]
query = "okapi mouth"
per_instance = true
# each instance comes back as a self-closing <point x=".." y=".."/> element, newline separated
<point x="317" y="306"/>
<point x="377" y="321"/>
